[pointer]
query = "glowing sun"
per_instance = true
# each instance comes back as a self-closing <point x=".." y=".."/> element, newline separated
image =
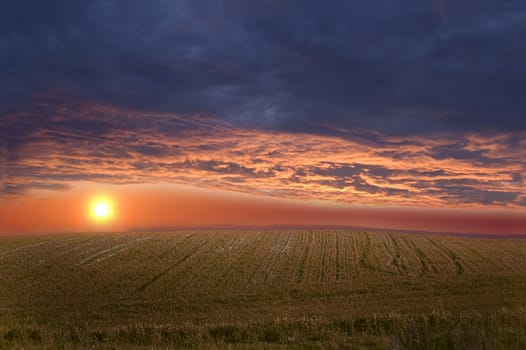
<point x="101" y="209"/>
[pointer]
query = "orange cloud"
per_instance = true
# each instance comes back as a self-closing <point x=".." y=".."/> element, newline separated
<point x="473" y="171"/>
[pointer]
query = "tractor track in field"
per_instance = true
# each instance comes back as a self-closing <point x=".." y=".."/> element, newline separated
<point x="111" y="252"/>
<point x="452" y="255"/>
<point x="21" y="248"/>
<point x="170" y="267"/>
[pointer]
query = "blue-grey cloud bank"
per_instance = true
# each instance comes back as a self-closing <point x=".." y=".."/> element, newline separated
<point x="399" y="67"/>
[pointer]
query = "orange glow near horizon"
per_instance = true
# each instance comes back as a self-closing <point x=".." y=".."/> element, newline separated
<point x="165" y="207"/>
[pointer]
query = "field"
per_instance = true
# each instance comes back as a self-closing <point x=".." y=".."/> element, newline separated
<point x="267" y="289"/>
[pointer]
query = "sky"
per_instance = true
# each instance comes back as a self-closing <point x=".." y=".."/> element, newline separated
<point x="406" y="115"/>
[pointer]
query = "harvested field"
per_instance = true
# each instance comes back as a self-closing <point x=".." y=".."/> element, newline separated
<point x="267" y="289"/>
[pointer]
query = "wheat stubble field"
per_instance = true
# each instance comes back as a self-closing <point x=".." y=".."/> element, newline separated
<point x="266" y="289"/>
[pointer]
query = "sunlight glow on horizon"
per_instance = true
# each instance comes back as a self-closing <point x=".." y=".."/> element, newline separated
<point x="167" y="206"/>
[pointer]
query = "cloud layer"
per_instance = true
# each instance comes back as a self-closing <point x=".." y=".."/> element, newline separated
<point x="403" y="68"/>
<point x="390" y="103"/>
<point x="103" y="144"/>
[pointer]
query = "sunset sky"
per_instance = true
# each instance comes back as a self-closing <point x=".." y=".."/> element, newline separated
<point x="406" y="115"/>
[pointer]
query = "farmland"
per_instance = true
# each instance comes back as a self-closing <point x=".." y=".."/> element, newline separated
<point x="262" y="289"/>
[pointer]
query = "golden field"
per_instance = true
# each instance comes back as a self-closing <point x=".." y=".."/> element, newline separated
<point x="262" y="289"/>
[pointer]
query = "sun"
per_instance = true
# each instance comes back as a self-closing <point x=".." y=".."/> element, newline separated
<point x="101" y="209"/>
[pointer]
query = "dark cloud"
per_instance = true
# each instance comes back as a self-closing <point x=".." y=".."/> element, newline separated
<point x="350" y="170"/>
<point x="21" y="188"/>
<point x="517" y="178"/>
<point x="221" y="167"/>
<point x="475" y="195"/>
<point x="408" y="67"/>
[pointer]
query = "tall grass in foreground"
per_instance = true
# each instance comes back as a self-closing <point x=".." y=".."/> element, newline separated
<point x="502" y="329"/>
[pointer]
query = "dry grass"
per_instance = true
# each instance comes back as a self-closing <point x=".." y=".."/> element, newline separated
<point x="319" y="289"/>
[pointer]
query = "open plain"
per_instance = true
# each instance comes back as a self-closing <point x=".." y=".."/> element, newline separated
<point x="262" y="289"/>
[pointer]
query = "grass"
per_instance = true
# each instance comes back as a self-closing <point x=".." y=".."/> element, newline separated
<point x="269" y="289"/>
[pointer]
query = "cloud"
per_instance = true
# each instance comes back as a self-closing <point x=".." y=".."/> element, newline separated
<point x="410" y="68"/>
<point x="406" y="103"/>
<point x="95" y="143"/>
